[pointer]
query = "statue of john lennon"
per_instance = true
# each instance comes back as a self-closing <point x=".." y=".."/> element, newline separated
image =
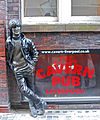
<point x="21" y="56"/>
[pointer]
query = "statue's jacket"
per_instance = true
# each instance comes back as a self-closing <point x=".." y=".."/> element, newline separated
<point x="28" y="50"/>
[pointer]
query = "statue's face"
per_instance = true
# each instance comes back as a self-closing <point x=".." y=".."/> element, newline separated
<point x="16" y="30"/>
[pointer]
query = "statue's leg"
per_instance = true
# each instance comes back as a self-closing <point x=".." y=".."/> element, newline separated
<point x="27" y="92"/>
<point x="30" y="83"/>
<point x="22" y="79"/>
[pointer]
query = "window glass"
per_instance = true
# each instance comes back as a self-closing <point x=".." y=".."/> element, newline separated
<point x="85" y="7"/>
<point x="35" y="8"/>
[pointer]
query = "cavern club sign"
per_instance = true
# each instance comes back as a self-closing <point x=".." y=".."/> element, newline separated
<point x="68" y="73"/>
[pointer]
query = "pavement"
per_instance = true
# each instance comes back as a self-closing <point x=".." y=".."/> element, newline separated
<point x="53" y="115"/>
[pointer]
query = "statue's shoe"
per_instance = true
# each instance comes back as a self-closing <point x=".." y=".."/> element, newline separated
<point x="41" y="107"/>
<point x="32" y="109"/>
<point x="33" y="112"/>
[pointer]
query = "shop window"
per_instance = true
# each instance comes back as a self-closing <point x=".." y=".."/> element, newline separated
<point x="60" y="11"/>
<point x="60" y="85"/>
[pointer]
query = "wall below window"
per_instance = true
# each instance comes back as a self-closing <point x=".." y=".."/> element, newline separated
<point x="66" y="40"/>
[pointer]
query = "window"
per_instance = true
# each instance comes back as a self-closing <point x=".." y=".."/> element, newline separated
<point x="60" y="11"/>
<point x="39" y="11"/>
<point x="85" y="8"/>
<point x="40" y="8"/>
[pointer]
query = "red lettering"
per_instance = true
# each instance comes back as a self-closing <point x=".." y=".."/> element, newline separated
<point x="72" y="91"/>
<point x="39" y="75"/>
<point x="63" y="81"/>
<point x="55" y="80"/>
<point x="62" y="58"/>
<point x="82" y="91"/>
<point x="75" y="81"/>
<point x="63" y="91"/>
<point x="51" y="71"/>
<point x="77" y="69"/>
<point x="78" y="91"/>
<point x="67" y="90"/>
<point x="54" y="91"/>
<point x="48" y="92"/>
<point x="68" y="69"/>
<point x="88" y="72"/>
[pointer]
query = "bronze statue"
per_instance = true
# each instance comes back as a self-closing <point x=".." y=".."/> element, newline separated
<point x="21" y="57"/>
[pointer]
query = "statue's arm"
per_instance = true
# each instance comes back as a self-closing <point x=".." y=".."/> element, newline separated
<point x="8" y="52"/>
<point x="34" y="52"/>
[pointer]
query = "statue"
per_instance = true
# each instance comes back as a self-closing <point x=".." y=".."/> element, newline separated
<point x="21" y="56"/>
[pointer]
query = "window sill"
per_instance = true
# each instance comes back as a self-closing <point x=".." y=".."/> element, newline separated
<point x="60" y="27"/>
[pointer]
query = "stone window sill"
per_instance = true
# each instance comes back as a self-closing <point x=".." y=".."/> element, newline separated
<point x="60" y="27"/>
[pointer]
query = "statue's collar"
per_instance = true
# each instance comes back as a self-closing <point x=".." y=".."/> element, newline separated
<point x="18" y="37"/>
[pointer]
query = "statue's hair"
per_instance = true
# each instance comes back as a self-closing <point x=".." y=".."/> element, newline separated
<point x="13" y="23"/>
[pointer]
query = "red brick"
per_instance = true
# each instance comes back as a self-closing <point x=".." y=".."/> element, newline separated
<point x="3" y="94"/>
<point x="2" y="53"/>
<point x="2" y="49"/>
<point x="2" y="22"/>
<point x="2" y="45"/>
<point x="2" y="62"/>
<point x="2" y="39"/>
<point x="2" y="31"/>
<point x="45" y="39"/>
<point x="3" y="67"/>
<point x="3" y="76"/>
<point x="2" y="58"/>
<point x="2" y="36"/>
<point x="3" y="85"/>
<point x="3" y="80"/>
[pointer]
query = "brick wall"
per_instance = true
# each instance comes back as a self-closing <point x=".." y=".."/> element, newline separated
<point x="76" y="40"/>
<point x="13" y="9"/>
<point x="4" y="106"/>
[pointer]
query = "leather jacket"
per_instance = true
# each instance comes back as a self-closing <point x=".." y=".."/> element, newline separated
<point x="28" y="50"/>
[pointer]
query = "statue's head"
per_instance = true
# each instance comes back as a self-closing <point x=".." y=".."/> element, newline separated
<point x="15" y="26"/>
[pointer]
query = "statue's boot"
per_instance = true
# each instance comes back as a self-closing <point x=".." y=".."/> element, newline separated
<point x="41" y="107"/>
<point x="32" y="109"/>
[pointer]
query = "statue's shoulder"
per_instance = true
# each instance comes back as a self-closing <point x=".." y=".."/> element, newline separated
<point x="27" y="40"/>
